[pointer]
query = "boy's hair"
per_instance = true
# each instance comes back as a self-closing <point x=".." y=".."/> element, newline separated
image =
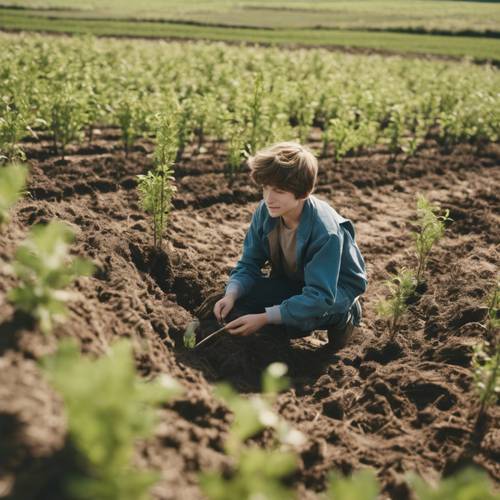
<point x="285" y="165"/>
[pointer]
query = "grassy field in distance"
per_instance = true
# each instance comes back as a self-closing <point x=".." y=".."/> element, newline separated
<point x="345" y="24"/>
<point x="451" y="16"/>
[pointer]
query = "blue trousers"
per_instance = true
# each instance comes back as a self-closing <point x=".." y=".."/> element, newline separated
<point x="268" y="292"/>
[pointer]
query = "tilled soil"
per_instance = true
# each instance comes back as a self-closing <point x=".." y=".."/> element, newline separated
<point x="397" y="404"/>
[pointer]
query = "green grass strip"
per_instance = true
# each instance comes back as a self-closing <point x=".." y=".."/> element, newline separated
<point x="457" y="46"/>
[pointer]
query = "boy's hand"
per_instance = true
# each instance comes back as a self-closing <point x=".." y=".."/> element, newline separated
<point x="223" y="306"/>
<point x="246" y="325"/>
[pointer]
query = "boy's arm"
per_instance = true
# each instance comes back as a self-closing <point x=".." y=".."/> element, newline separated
<point x="248" y="268"/>
<point x="320" y="292"/>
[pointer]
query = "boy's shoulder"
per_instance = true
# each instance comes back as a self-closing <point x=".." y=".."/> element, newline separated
<point x="325" y="218"/>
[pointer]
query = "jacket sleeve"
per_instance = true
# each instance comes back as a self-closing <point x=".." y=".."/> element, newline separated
<point x="248" y="269"/>
<point x="320" y="294"/>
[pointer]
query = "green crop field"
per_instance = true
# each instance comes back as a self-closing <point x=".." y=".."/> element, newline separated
<point x="381" y="14"/>
<point x="424" y="27"/>
<point x="129" y="195"/>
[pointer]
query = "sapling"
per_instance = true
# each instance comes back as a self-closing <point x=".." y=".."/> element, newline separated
<point x="189" y="337"/>
<point x="44" y="269"/>
<point x="492" y="319"/>
<point x="108" y="409"/>
<point x="395" y="130"/>
<point x="67" y="117"/>
<point x="362" y="485"/>
<point x="256" y="473"/>
<point x="431" y="228"/>
<point x="486" y="366"/>
<point x="256" y="113"/>
<point x="132" y="117"/>
<point x="236" y="151"/>
<point x="13" y="127"/>
<point x="184" y="131"/>
<point x="486" y="358"/>
<point x="470" y="483"/>
<point x="12" y="181"/>
<point x="155" y="194"/>
<point x="401" y="286"/>
<point x="156" y="187"/>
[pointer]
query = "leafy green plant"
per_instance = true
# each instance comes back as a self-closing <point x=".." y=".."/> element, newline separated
<point x="256" y="113"/>
<point x="469" y="484"/>
<point x="167" y="141"/>
<point x="67" y="117"/>
<point x="155" y="194"/>
<point x="132" y="118"/>
<point x="431" y="228"/>
<point x="492" y="319"/>
<point x="13" y="127"/>
<point x="12" y="182"/>
<point x="486" y="366"/>
<point x="395" y="129"/>
<point x="401" y="286"/>
<point x="257" y="473"/>
<point x="362" y="485"/>
<point x="236" y="152"/>
<point x="108" y="408"/>
<point x="44" y="269"/>
<point x="156" y="187"/>
<point x="189" y="337"/>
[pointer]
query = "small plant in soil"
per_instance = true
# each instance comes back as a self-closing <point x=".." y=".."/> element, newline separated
<point x="236" y="152"/>
<point x="401" y="286"/>
<point x="470" y="483"/>
<point x="431" y="228"/>
<point x="189" y="337"/>
<point x="256" y="473"/>
<point x="12" y="182"/>
<point x="155" y="194"/>
<point x="156" y="188"/>
<point x="44" y="269"/>
<point x="67" y="118"/>
<point x="13" y="127"/>
<point x="132" y="117"/>
<point x="108" y="409"/>
<point x="362" y="485"/>
<point x="492" y="319"/>
<point x="486" y="366"/>
<point x="255" y="113"/>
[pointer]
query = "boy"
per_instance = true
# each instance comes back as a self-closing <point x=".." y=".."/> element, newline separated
<point x="317" y="271"/>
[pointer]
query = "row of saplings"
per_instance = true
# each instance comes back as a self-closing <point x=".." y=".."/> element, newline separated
<point x="102" y="431"/>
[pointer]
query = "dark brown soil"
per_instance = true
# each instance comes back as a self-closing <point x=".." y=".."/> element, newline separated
<point x="405" y="404"/>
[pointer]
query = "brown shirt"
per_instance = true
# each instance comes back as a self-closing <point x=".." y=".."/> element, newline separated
<point x="287" y="238"/>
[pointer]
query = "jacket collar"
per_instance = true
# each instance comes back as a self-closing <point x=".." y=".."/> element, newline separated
<point x="303" y="230"/>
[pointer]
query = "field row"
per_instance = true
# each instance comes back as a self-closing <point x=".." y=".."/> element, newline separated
<point x="188" y="92"/>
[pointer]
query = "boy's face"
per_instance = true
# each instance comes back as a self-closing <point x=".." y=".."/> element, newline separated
<point x="278" y="201"/>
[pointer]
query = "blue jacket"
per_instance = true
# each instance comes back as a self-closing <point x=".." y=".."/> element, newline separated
<point x="334" y="269"/>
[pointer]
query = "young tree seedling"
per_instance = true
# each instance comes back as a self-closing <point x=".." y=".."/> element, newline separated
<point x="155" y="194"/>
<point x="470" y="483"/>
<point x="362" y="485"/>
<point x="108" y="409"/>
<point x="486" y="366"/>
<point x="256" y="473"/>
<point x="401" y="286"/>
<point x="68" y="117"/>
<point x="431" y="228"/>
<point x="156" y="188"/>
<point x="44" y="269"/>
<point x="12" y="182"/>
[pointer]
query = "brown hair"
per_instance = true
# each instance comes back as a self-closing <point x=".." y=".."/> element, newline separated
<point x="285" y="165"/>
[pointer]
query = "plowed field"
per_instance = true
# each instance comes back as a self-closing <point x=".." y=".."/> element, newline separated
<point x="400" y="405"/>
